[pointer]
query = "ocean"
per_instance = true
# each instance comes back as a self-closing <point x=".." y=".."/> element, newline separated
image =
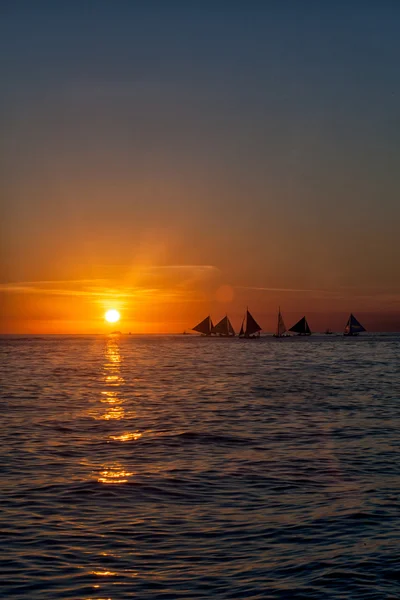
<point x="168" y="467"/>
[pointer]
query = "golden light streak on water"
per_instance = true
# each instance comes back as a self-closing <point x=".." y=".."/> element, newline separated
<point x="125" y="437"/>
<point x="112" y="377"/>
<point x="114" y="476"/>
<point x="111" y="398"/>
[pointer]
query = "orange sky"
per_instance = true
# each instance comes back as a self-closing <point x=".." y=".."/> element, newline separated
<point x="173" y="163"/>
<point x="170" y="299"/>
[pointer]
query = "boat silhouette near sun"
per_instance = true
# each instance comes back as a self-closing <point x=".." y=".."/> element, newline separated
<point x="250" y="329"/>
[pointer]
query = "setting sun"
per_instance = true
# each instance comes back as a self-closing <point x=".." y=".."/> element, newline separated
<point x="112" y="316"/>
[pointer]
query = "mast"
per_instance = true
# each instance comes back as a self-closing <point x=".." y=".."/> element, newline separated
<point x="231" y="331"/>
<point x="281" y="327"/>
<point x="241" y="332"/>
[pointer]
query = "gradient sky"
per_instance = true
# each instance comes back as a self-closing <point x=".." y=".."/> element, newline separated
<point x="174" y="158"/>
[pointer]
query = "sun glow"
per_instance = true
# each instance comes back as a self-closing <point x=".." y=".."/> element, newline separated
<point x="112" y="316"/>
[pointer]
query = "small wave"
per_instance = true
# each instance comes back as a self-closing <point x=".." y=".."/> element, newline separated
<point x="157" y="490"/>
<point x="260" y="472"/>
<point x="198" y="437"/>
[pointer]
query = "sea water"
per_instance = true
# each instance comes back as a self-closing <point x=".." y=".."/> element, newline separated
<point x="184" y="467"/>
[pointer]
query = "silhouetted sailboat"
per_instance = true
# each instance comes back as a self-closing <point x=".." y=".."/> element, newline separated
<point x="224" y="328"/>
<point x="301" y="327"/>
<point x="353" y="327"/>
<point x="205" y="326"/>
<point x="250" y="328"/>
<point x="281" y="327"/>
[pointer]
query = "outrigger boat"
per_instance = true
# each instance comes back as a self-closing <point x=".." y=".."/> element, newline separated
<point x="223" y="328"/>
<point x="301" y="327"/>
<point x="205" y="326"/>
<point x="353" y="327"/>
<point x="250" y="328"/>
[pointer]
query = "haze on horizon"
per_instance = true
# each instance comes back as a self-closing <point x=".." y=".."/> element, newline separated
<point x="170" y="161"/>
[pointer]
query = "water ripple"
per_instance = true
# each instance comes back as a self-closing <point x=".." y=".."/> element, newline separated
<point x="167" y="467"/>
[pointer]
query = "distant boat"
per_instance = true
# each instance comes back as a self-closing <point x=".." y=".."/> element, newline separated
<point x="301" y="327"/>
<point x="250" y="328"/>
<point x="205" y="326"/>
<point x="224" y="328"/>
<point x="353" y="327"/>
<point x="280" y="327"/>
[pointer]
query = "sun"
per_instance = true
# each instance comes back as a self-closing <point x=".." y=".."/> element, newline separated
<point x="112" y="316"/>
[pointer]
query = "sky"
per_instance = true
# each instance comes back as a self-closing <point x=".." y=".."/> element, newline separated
<point x="175" y="159"/>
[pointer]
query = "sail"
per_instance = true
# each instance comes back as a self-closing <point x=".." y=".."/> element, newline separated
<point x="241" y="332"/>
<point x="205" y="326"/>
<point x="301" y="327"/>
<point x="281" y="327"/>
<point x="224" y="327"/>
<point x="230" y="328"/>
<point x="353" y="326"/>
<point x="348" y="326"/>
<point x="251" y="325"/>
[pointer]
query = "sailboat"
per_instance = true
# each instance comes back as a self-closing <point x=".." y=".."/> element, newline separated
<point x="281" y="327"/>
<point x="224" y="328"/>
<point x="205" y="326"/>
<point x="353" y="327"/>
<point x="301" y="327"/>
<point x="250" y="328"/>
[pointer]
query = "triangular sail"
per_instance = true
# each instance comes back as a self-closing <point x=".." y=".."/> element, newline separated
<point x="348" y="325"/>
<point x="353" y="326"/>
<point x="221" y="327"/>
<point x="224" y="327"/>
<point x="301" y="327"/>
<point x="251" y="325"/>
<point x="281" y="327"/>
<point x="241" y="332"/>
<point x="205" y="326"/>
<point x="231" y="331"/>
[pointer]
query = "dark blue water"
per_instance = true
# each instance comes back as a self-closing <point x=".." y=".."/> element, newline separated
<point x="179" y="467"/>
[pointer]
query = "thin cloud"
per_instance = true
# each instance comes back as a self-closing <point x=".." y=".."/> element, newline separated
<point x="102" y="289"/>
<point x="341" y="294"/>
<point x="290" y="290"/>
<point x="186" y="267"/>
<point x="111" y="282"/>
<point x="44" y="282"/>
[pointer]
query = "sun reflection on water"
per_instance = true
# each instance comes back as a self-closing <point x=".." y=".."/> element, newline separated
<point x="114" y="474"/>
<point x="113" y="379"/>
<point x="112" y="401"/>
<point x="125" y="437"/>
